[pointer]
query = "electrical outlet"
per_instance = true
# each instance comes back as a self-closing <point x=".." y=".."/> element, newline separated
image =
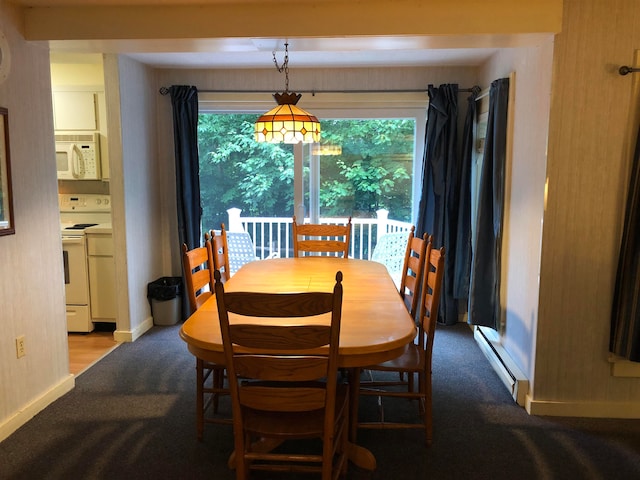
<point x="20" y="348"/>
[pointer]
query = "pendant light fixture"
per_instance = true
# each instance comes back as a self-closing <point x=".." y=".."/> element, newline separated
<point x="287" y="123"/>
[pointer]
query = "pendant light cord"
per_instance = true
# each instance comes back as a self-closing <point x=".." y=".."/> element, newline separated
<point x="285" y="66"/>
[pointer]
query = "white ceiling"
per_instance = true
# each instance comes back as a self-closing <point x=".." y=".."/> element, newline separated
<point x="303" y="52"/>
<point x="315" y="58"/>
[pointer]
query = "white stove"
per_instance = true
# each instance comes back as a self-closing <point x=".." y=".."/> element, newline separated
<point x="79" y="212"/>
<point x="78" y="215"/>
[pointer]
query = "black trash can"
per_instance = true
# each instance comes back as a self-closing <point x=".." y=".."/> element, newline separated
<point x="165" y="296"/>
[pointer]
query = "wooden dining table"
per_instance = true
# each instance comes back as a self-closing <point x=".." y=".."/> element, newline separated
<point x="376" y="325"/>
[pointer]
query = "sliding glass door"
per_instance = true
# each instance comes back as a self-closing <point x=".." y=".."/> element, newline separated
<point x="368" y="161"/>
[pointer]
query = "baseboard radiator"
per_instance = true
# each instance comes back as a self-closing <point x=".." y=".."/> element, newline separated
<point x="509" y="373"/>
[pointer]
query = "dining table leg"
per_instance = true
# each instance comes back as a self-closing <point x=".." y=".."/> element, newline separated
<point x="358" y="455"/>
<point x="354" y="398"/>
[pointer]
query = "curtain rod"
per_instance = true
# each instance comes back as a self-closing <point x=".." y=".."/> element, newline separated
<point x="623" y="70"/>
<point x="165" y="91"/>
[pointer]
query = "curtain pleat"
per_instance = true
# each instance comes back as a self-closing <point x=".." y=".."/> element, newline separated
<point x="462" y="253"/>
<point x="484" y="292"/>
<point x="184" y="100"/>
<point x="438" y="211"/>
<point x="625" y="314"/>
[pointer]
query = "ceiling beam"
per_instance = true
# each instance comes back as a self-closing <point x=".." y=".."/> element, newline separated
<point x="281" y="19"/>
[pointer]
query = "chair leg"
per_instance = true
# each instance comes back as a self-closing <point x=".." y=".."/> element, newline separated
<point x="199" y="398"/>
<point x="218" y="380"/>
<point x="344" y="439"/>
<point x="428" y="412"/>
<point x="422" y="389"/>
<point x="380" y="408"/>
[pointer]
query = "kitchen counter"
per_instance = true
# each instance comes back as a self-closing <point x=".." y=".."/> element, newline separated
<point x="100" y="228"/>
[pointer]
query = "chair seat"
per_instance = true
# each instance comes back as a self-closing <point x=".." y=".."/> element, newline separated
<point x="412" y="359"/>
<point x="293" y="424"/>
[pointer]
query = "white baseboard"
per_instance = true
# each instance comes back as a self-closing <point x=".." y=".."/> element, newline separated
<point x="133" y="335"/>
<point x="36" y="406"/>
<point x="583" y="409"/>
<point x="66" y="385"/>
<point x="505" y="367"/>
<point x="518" y="386"/>
<point x="621" y="367"/>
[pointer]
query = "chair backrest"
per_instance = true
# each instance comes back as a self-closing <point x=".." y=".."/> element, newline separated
<point x="412" y="270"/>
<point x="241" y="250"/>
<point x="390" y="250"/>
<point x="321" y="238"/>
<point x="280" y="357"/>
<point x="220" y="253"/>
<point x="198" y="268"/>
<point x="431" y="293"/>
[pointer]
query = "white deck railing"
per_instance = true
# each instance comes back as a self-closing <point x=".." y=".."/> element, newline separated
<point x="273" y="235"/>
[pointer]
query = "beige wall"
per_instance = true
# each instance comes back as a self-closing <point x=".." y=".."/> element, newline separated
<point x="564" y="349"/>
<point x="559" y="335"/>
<point x="71" y="70"/>
<point x="33" y="300"/>
<point x="588" y="164"/>
<point x="31" y="285"/>
<point x="524" y="200"/>
<point x="136" y="190"/>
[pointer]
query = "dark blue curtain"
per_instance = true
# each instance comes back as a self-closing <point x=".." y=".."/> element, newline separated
<point x="184" y="100"/>
<point x="462" y="255"/>
<point x="437" y="214"/>
<point x="625" y="315"/>
<point x="484" y="292"/>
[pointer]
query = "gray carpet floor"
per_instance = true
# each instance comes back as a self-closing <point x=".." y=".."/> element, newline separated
<point x="132" y="416"/>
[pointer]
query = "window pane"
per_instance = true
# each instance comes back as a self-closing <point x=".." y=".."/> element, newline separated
<point x="236" y="171"/>
<point x="360" y="167"/>
<point x="365" y="165"/>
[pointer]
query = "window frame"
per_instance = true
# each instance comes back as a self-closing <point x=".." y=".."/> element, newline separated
<point x="352" y="105"/>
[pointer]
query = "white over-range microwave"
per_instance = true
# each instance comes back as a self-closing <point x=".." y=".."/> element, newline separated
<point x="78" y="156"/>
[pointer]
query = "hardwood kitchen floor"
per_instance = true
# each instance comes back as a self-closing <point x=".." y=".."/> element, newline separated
<point x="85" y="349"/>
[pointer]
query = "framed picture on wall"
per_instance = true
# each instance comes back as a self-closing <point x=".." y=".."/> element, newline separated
<point x="6" y="202"/>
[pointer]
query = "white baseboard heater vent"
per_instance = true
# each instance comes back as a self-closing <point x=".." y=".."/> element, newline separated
<point x="509" y="373"/>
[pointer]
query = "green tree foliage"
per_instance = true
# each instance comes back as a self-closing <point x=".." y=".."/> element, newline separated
<point x="373" y="170"/>
<point x="237" y="171"/>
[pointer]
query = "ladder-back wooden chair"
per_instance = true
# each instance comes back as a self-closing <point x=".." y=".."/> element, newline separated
<point x="284" y="379"/>
<point x="198" y="270"/>
<point x="321" y="238"/>
<point x="412" y="270"/>
<point x="220" y="253"/>
<point x="416" y="359"/>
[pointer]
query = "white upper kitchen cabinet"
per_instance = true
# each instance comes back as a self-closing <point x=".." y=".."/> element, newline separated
<point x="74" y="110"/>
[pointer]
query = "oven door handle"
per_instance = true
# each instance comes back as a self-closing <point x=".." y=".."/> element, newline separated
<point x="72" y="240"/>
